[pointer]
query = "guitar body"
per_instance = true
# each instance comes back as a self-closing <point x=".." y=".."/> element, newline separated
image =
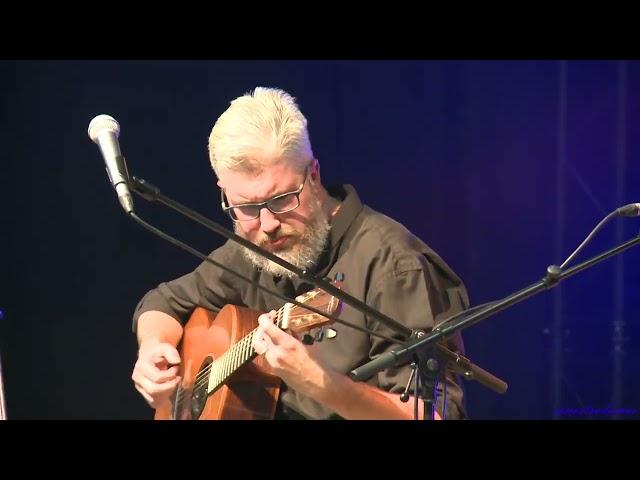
<point x="251" y="392"/>
<point x="222" y="378"/>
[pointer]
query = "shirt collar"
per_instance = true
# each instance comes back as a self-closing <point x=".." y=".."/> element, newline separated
<point x="350" y="208"/>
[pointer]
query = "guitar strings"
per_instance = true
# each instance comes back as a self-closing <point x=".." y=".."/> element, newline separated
<point x="201" y="379"/>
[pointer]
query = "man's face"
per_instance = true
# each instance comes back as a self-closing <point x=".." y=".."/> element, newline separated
<point x="297" y="236"/>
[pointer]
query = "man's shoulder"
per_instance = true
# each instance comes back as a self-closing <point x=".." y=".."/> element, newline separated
<point x="388" y="239"/>
<point x="228" y="248"/>
<point x="389" y="231"/>
<point x="392" y="249"/>
<point x="229" y="254"/>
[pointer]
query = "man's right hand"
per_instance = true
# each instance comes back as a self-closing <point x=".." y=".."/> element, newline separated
<point x="155" y="372"/>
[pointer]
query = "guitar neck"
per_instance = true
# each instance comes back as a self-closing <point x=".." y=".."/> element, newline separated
<point x="238" y="355"/>
<point x="288" y="316"/>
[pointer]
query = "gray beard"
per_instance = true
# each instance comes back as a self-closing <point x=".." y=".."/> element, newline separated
<point x="303" y="255"/>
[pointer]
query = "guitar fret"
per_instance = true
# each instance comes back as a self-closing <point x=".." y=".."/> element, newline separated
<point x="245" y="348"/>
<point x="213" y="377"/>
<point x="238" y="355"/>
<point x="234" y="358"/>
<point x="240" y="346"/>
<point x="225" y="365"/>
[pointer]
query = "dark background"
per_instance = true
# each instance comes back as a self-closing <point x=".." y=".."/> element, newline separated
<point x="503" y="167"/>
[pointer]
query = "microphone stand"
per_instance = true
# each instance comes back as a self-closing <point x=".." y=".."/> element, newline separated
<point x="466" y="319"/>
<point x="429" y="360"/>
<point x="3" y="408"/>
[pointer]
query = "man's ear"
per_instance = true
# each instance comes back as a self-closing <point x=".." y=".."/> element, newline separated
<point x="314" y="174"/>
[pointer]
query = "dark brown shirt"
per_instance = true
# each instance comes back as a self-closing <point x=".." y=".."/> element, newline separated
<point x="384" y="265"/>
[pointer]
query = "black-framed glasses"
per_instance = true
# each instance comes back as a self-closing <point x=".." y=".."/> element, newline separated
<point x="285" y="202"/>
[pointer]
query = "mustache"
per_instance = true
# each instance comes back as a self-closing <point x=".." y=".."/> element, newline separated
<point x="264" y="238"/>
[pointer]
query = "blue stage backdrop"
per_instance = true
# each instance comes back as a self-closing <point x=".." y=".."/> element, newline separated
<point x="503" y="167"/>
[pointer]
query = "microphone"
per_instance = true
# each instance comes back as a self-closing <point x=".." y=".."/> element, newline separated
<point x="104" y="131"/>
<point x="630" y="210"/>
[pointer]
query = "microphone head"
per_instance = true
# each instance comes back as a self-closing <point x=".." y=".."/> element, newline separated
<point x="635" y="209"/>
<point x="102" y="123"/>
<point x="630" y="210"/>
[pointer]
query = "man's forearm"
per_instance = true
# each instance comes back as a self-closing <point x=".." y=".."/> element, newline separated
<point x="158" y="326"/>
<point x="360" y="401"/>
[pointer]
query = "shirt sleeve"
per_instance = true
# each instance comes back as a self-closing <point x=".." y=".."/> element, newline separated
<point x="208" y="286"/>
<point x="419" y="295"/>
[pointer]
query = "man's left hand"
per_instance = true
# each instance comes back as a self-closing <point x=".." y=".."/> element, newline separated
<point x="289" y="358"/>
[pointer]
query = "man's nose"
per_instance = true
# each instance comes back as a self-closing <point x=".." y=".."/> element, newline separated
<point x="269" y="223"/>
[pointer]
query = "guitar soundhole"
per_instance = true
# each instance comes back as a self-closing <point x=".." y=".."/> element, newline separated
<point x="199" y="397"/>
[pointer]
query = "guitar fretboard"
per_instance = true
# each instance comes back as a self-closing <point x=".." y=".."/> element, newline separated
<point x="240" y="353"/>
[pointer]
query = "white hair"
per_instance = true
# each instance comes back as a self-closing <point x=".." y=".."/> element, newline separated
<point x="266" y="120"/>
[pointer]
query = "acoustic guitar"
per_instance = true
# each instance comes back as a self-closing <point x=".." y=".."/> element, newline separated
<point x="222" y="376"/>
